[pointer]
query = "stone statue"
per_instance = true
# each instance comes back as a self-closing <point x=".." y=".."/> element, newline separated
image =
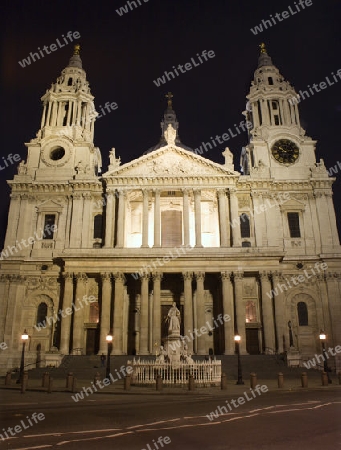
<point x="162" y="355"/>
<point x="22" y="169"/>
<point x="174" y="318"/>
<point x="114" y="162"/>
<point x="189" y="359"/>
<point x="80" y="168"/>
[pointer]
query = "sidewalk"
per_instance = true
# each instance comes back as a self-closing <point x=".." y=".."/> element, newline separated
<point x="36" y="393"/>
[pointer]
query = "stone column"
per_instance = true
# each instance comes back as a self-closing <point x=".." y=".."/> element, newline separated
<point x="109" y="220"/>
<point x="4" y="291"/>
<point x="197" y="207"/>
<point x="188" y="308"/>
<point x="259" y="220"/>
<point x="234" y="219"/>
<point x="78" y="319"/>
<point x="118" y="313"/>
<point x="144" y="315"/>
<point x="222" y="218"/>
<point x="85" y="225"/>
<point x="13" y="219"/>
<point x="228" y="308"/>
<point x="145" y="217"/>
<point x="186" y="217"/>
<point x="105" y="312"/>
<point x="268" y="315"/>
<point x="240" y="310"/>
<point x="120" y="218"/>
<point x="334" y="295"/>
<point x="200" y="299"/>
<point x="23" y="221"/>
<point x="157" y="219"/>
<point x="280" y="316"/>
<point x="66" y="321"/>
<point x="327" y="312"/>
<point x="76" y="220"/>
<point x="156" y="326"/>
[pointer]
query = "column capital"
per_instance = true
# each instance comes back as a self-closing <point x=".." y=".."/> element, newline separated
<point x="226" y="276"/>
<point x="68" y="276"/>
<point x="122" y="193"/>
<point x="106" y="276"/>
<point x="264" y="275"/>
<point x="145" y="276"/>
<point x="87" y="196"/>
<point x="277" y="275"/>
<point x="221" y="192"/>
<point x="200" y="276"/>
<point x="157" y="276"/>
<point x="187" y="275"/>
<point x="197" y="192"/>
<point x="238" y="275"/>
<point x="119" y="277"/>
<point x="81" y="277"/>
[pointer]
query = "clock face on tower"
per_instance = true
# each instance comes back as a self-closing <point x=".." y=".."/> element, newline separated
<point x="285" y="151"/>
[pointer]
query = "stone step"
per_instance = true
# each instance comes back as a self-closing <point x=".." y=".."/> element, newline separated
<point x="85" y="367"/>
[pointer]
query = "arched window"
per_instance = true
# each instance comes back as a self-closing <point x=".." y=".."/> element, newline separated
<point x="41" y="314"/>
<point x="244" y="226"/>
<point x="250" y="312"/>
<point x="69" y="83"/>
<point x="98" y="226"/>
<point x="302" y="312"/>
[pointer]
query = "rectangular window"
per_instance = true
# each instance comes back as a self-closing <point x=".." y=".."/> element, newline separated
<point x="294" y="224"/>
<point x="49" y="221"/>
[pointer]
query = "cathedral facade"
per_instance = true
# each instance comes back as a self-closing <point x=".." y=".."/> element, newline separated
<point x="254" y="252"/>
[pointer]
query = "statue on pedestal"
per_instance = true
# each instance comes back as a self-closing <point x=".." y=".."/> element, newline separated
<point x="174" y="319"/>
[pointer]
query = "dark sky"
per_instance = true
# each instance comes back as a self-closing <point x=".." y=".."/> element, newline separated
<point x="122" y="55"/>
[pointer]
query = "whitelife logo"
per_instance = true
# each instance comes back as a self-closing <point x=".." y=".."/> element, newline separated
<point x="70" y="36"/>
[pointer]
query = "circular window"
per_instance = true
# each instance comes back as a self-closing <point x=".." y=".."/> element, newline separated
<point x="57" y="153"/>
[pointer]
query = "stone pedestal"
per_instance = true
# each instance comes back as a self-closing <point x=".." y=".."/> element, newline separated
<point x="173" y="346"/>
<point x="293" y="357"/>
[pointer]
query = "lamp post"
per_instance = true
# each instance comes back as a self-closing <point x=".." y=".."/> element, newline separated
<point x="109" y="339"/>
<point x="323" y="337"/>
<point x="24" y="338"/>
<point x="240" y="376"/>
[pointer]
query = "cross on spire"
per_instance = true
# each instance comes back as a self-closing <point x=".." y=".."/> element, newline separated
<point x="262" y="48"/>
<point x="169" y="97"/>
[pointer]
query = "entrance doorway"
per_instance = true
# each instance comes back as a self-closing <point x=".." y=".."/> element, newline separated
<point x="92" y="341"/>
<point x="252" y="341"/>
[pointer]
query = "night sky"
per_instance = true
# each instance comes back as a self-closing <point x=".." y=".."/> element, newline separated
<point x="122" y="55"/>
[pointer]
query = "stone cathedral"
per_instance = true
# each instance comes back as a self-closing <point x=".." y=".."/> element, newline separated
<point x="89" y="253"/>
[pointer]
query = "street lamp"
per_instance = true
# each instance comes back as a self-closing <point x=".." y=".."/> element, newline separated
<point x="240" y="376"/>
<point x="24" y="338"/>
<point x="325" y="363"/>
<point x="109" y="339"/>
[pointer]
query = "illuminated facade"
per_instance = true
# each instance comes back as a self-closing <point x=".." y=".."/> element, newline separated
<point x="261" y="246"/>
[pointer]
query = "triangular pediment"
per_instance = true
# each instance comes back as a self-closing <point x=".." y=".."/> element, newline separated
<point x="171" y="161"/>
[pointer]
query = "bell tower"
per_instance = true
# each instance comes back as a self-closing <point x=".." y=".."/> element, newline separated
<point x="64" y="144"/>
<point x="277" y="142"/>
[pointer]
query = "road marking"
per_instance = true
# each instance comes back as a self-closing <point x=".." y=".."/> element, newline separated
<point x="73" y="432"/>
<point x="31" y="448"/>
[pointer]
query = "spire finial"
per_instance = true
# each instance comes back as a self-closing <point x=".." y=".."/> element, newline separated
<point x="76" y="49"/>
<point x="263" y="48"/>
<point x="169" y="97"/>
